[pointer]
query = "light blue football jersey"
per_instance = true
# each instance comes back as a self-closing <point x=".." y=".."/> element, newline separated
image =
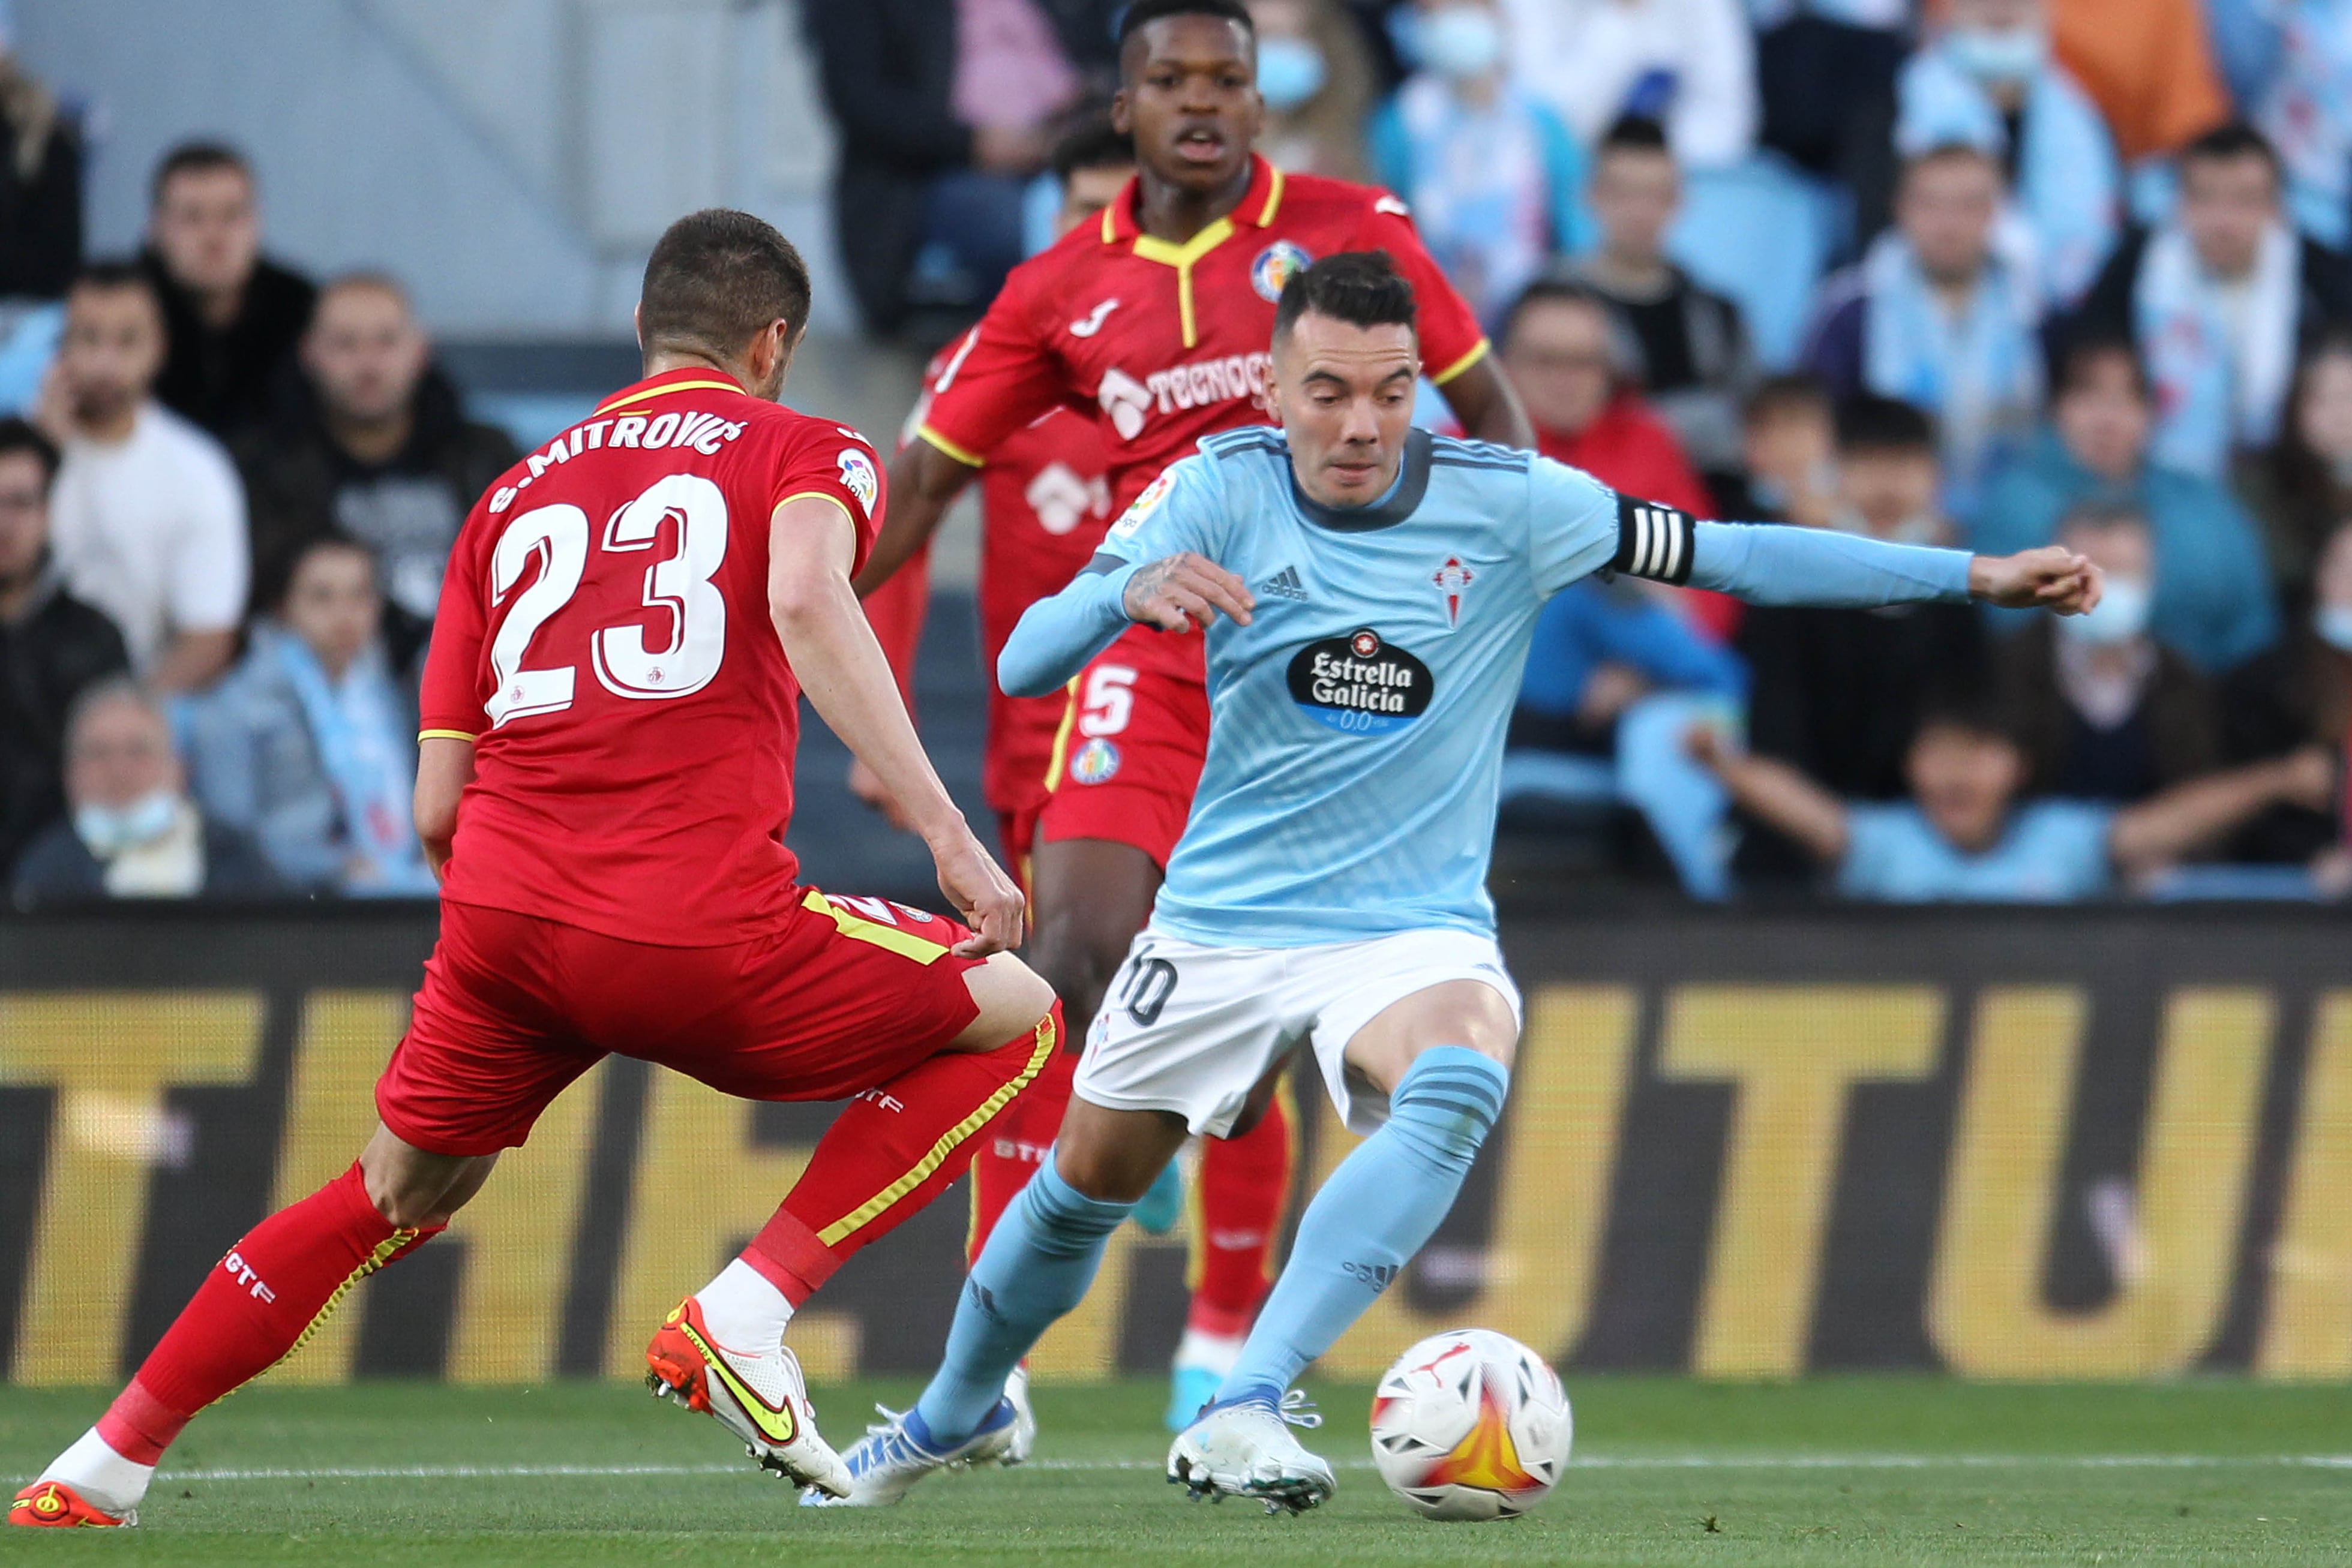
<point x="1355" y="724"/>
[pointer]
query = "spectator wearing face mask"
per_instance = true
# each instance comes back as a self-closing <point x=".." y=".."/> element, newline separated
<point x="1937" y="317"/>
<point x="2213" y="604"/>
<point x="1315" y="77"/>
<point x="52" y="646"/>
<point x="1986" y="80"/>
<point x="2219" y="298"/>
<point x="1837" y="693"/>
<point x="1490" y="172"/>
<point x="231" y="316"/>
<point x="375" y="446"/>
<point x="1693" y="362"/>
<point x="130" y="830"/>
<point x="2104" y="710"/>
<point x="1965" y="832"/>
<point x="1788" y="442"/>
<point x="1688" y="64"/>
<point x="2302" y="488"/>
<point x="149" y="518"/>
<point x="306" y="745"/>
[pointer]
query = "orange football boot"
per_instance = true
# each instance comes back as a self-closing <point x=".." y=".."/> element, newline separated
<point x="759" y="1395"/>
<point x="53" y="1505"/>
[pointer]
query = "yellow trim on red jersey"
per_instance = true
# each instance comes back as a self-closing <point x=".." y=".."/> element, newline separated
<point x="1110" y="223"/>
<point x="1062" y="738"/>
<point x="423" y="735"/>
<point x="1272" y="199"/>
<point x="1462" y="364"/>
<point x="1047" y="1042"/>
<point x="858" y="928"/>
<point x="1181" y="258"/>
<point x="968" y="459"/>
<point x="816" y="496"/>
<point x="674" y="386"/>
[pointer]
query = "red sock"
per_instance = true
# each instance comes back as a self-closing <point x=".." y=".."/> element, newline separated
<point x="889" y="1152"/>
<point x="1243" y="1184"/>
<point x="1015" y="1145"/>
<point x="275" y="1286"/>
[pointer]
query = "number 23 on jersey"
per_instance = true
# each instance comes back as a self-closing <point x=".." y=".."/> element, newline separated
<point x="557" y="539"/>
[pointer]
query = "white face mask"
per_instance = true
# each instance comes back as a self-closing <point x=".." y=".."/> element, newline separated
<point x="1462" y="42"/>
<point x="1289" y="72"/>
<point x="1997" y="55"/>
<point x="108" y="831"/>
<point x="2121" y="614"/>
<point x="1920" y="529"/>
<point x="2333" y="622"/>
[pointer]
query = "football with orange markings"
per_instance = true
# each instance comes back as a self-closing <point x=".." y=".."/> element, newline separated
<point x="1470" y="1423"/>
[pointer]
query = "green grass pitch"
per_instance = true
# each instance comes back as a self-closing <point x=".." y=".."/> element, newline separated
<point x="1880" y="1471"/>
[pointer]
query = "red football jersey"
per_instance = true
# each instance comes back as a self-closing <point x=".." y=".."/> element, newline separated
<point x="1164" y="343"/>
<point x="604" y="639"/>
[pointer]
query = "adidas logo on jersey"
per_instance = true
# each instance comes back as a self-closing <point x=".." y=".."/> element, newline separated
<point x="1285" y="585"/>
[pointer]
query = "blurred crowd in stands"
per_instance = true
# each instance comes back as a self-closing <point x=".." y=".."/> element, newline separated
<point x="1983" y="272"/>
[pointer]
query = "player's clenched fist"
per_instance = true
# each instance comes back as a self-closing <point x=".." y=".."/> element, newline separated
<point x="1177" y="590"/>
<point x="981" y="892"/>
<point x="2050" y="577"/>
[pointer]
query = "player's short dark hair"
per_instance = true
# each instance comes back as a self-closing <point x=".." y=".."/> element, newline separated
<point x="1143" y="13"/>
<point x="1361" y="287"/>
<point x="1790" y="393"/>
<point x="1867" y="422"/>
<point x="1554" y="290"/>
<point x="194" y="158"/>
<point x="2230" y="141"/>
<point x="1970" y="708"/>
<point x="281" y="578"/>
<point x="1087" y="140"/>
<point x="22" y="436"/>
<point x="1634" y="133"/>
<point x="2084" y="351"/>
<point x="718" y="277"/>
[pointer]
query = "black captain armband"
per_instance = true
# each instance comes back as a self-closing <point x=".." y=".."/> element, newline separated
<point x="1653" y="541"/>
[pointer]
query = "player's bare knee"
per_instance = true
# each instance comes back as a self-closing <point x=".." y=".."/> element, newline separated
<point x="1114" y="1156"/>
<point x="1012" y="999"/>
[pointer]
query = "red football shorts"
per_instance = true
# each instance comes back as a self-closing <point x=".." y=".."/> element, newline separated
<point x="848" y="995"/>
<point x="1128" y="757"/>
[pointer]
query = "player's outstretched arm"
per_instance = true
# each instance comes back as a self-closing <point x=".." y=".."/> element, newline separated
<point x="1775" y="564"/>
<point x="840" y="665"/>
<point x="923" y="481"/>
<point x="445" y="766"/>
<point x="1057" y="636"/>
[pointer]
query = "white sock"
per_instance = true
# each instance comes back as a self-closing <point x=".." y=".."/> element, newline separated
<point x="1214" y="1353"/>
<point x="103" y="1477"/>
<point x="743" y="1310"/>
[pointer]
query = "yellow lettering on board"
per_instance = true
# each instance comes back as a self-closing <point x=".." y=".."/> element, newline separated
<point x="1986" y="1310"/>
<point x="2307" y="1324"/>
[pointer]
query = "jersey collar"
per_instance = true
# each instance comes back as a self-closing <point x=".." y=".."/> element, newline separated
<point x="1403" y="497"/>
<point x="691" y="378"/>
<point x="1256" y="208"/>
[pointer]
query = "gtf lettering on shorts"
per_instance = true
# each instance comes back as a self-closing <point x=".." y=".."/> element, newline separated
<point x="1359" y="685"/>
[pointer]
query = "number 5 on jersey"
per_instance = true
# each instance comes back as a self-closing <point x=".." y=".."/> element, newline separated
<point x="557" y="539"/>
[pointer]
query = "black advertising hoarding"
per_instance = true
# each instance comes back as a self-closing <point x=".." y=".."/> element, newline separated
<point x="2023" y="1144"/>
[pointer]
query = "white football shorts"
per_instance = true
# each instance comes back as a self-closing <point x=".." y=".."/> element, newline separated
<point x="1190" y="1029"/>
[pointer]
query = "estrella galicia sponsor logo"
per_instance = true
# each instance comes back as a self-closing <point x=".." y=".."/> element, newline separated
<point x="1096" y="762"/>
<point x="1277" y="265"/>
<point x="1359" y="685"/>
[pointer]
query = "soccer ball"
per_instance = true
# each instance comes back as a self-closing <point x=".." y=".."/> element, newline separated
<point x="1470" y="1423"/>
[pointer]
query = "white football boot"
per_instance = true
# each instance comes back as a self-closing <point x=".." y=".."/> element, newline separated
<point x="899" y="1450"/>
<point x="1023" y="1442"/>
<point x="760" y="1397"/>
<point x="1244" y="1447"/>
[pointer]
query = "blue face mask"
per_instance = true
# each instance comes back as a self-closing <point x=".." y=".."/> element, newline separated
<point x="2120" y="615"/>
<point x="2334" y="625"/>
<point x="107" y="831"/>
<point x="1462" y="42"/>
<point x="1289" y="72"/>
<point x="1998" y="55"/>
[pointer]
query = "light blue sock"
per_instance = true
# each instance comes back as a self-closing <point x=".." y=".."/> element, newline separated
<point x="1036" y="1266"/>
<point x="1382" y="1202"/>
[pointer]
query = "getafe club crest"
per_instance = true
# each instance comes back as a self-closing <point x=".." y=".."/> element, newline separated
<point x="1451" y="580"/>
<point x="857" y="476"/>
<point x="1277" y="265"/>
<point x="1095" y="763"/>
